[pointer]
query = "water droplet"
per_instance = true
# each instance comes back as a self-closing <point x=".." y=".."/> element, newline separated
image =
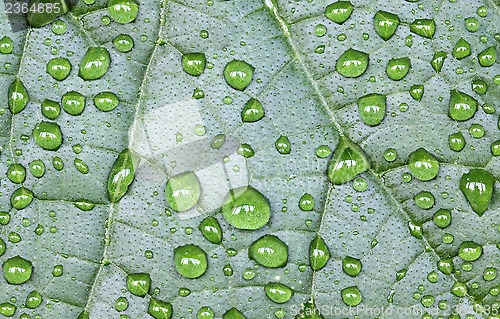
<point x="477" y="186"/>
<point x="323" y="151"/>
<point x="3" y="247"/>
<point x="57" y="163"/>
<point x="17" y="270"/>
<point x="352" y="63"/>
<point x="320" y="30"/>
<point x="73" y="103"/>
<point x="319" y="254"/>
<point x="48" y="135"/>
<point x="33" y="300"/>
<point x="205" y="312"/>
<point x="50" y="109"/>
<point x="390" y="155"/>
<point x="18" y="96"/>
<point x="7" y="309"/>
<point x="432" y="277"/>
<point x="105" y="101"/>
<point x="123" y="11"/>
<point x="57" y="271"/>
<point x="95" y="63"/>
<point x="351" y="266"/>
<point x="424" y="200"/>
<point x="6" y="45"/>
<point x="442" y="218"/>
<point x="122" y="174"/>
<point x="59" y="68"/>
<point x="423" y="27"/>
<point x="459" y="289"/>
<point x="59" y="27"/>
<point x="438" y="60"/>
<point x="423" y="165"/>
<point x="16" y="173"/>
<point x="339" y="11"/>
<point x="306" y="202"/>
<point x="456" y="141"/>
<point x="248" y="274"/>
<point x="348" y="160"/>
<point x="218" y="141"/>
<point x="253" y="111"/>
<point x="211" y="230"/>
<point x="233" y="313"/>
<point x="194" y="63"/>
<point x="487" y="57"/>
<point x="372" y="108"/>
<point x="84" y="205"/>
<point x="351" y="296"/>
<point x="277" y="292"/>
<point x="398" y="68"/>
<point x="4" y="218"/>
<point x="490" y="273"/>
<point x="476" y="130"/>
<point x="183" y="191"/>
<point x="121" y="304"/>
<point x="21" y="198"/>
<point x="246" y="150"/>
<point x="283" y="145"/>
<point x="238" y="74"/>
<point x="461" y="49"/>
<point x="246" y="208"/>
<point x="417" y="92"/>
<point x="81" y="166"/>
<point x="471" y="24"/>
<point x="123" y="43"/>
<point x="495" y="148"/>
<point x="159" y="309"/>
<point x="386" y="24"/>
<point x="479" y="86"/>
<point x="269" y="251"/>
<point x="138" y="284"/>
<point x="360" y="184"/>
<point x="190" y="261"/>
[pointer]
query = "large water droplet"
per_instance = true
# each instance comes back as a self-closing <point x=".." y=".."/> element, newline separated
<point x="106" y="101"/>
<point x="122" y="174"/>
<point x="190" y="261"/>
<point x="18" y="96"/>
<point x="398" y="68"/>
<point x="123" y="43"/>
<point x="351" y="266"/>
<point x="59" y="68"/>
<point x="246" y="208"/>
<point x="372" y="108"/>
<point x="17" y="270"/>
<point x="21" y="198"/>
<point x="6" y="45"/>
<point x="438" y="60"/>
<point x="424" y="200"/>
<point x="253" y="111"/>
<point x="456" y="141"/>
<point x="278" y="292"/>
<point x="461" y="49"/>
<point x="423" y="165"/>
<point x="348" y="160"/>
<point x="352" y="63"/>
<point x="269" y="251"/>
<point x="95" y="63"/>
<point x="16" y="173"/>
<point x="159" y="309"/>
<point x="138" y="284"/>
<point x="423" y="27"/>
<point x="283" y="145"/>
<point x="238" y="74"/>
<point x="233" y="313"/>
<point x="48" y="135"/>
<point x="183" y="191"/>
<point x="7" y="309"/>
<point x="319" y="254"/>
<point x="123" y="11"/>
<point x="194" y="63"/>
<point x="33" y="300"/>
<point x="487" y="57"/>
<point x="50" y="109"/>
<point x="73" y="103"/>
<point x="211" y="230"/>
<point x="477" y="185"/>
<point x="351" y="296"/>
<point x="442" y="218"/>
<point x="470" y="251"/>
<point x="386" y="24"/>
<point x="339" y="11"/>
<point x="462" y="106"/>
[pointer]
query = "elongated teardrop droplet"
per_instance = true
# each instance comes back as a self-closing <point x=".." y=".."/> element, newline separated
<point x="477" y="185"/>
<point x="18" y="96"/>
<point x="122" y="174"/>
<point x="319" y="254"/>
<point x="348" y="160"/>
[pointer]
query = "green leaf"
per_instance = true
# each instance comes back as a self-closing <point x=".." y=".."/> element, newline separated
<point x="258" y="98"/>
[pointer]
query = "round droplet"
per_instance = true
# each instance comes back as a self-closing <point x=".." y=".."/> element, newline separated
<point x="73" y="103"/>
<point x="246" y="150"/>
<point x="277" y="292"/>
<point x="283" y="145"/>
<point x="352" y="63"/>
<point x="424" y="200"/>
<point x="477" y="186"/>
<point x="123" y="43"/>
<point x="238" y="74"/>
<point x="351" y="296"/>
<point x="487" y="57"/>
<point x="423" y="165"/>
<point x="48" y="135"/>
<point x="33" y="300"/>
<point x="95" y="63"/>
<point x="211" y="230"/>
<point x="205" y="312"/>
<point x="183" y="191"/>
<point x="320" y="30"/>
<point x="21" y="198"/>
<point x="18" y="96"/>
<point x="246" y="208"/>
<point x="339" y="11"/>
<point x="233" y="313"/>
<point x="57" y="163"/>
<point x="495" y="148"/>
<point x="7" y="309"/>
<point x="372" y="108"/>
<point x="471" y="24"/>
<point x="57" y="271"/>
<point x="306" y="202"/>
<point x="252" y="111"/>
<point x="123" y="11"/>
<point x="121" y="304"/>
<point x="17" y="270"/>
<point x="490" y="273"/>
<point x="6" y="45"/>
<point x="417" y="91"/>
<point x="190" y="261"/>
<point x="323" y="151"/>
<point x="194" y="63"/>
<point x="461" y="49"/>
<point x="398" y="68"/>
<point x="479" y="86"/>
<point x="59" y="27"/>
<point x="59" y="68"/>
<point x="476" y="130"/>
<point x="81" y="166"/>
<point x="50" y="109"/>
<point x="386" y="24"/>
<point x="16" y="173"/>
<point x="106" y="101"/>
<point x="138" y="284"/>
<point x="360" y="184"/>
<point x="470" y="251"/>
<point x="442" y="218"/>
<point x="351" y="266"/>
<point x="269" y="251"/>
<point x="390" y="154"/>
<point x="456" y="141"/>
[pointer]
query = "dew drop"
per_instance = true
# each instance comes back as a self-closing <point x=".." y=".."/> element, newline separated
<point x="269" y="251"/>
<point x="48" y="135"/>
<point x="339" y="11"/>
<point x="477" y="186"/>
<point x="138" y="284"/>
<point x="211" y="230"/>
<point x="398" y="68"/>
<point x="17" y="270"/>
<point x="238" y="74"/>
<point x="386" y="24"/>
<point x="352" y="63"/>
<point x="246" y="208"/>
<point x="319" y="254"/>
<point x="123" y="11"/>
<point x="106" y="101"/>
<point x="190" y="261"/>
<point x="252" y="111"/>
<point x="59" y="68"/>
<point x="423" y="165"/>
<point x="278" y="292"/>
<point x="95" y="63"/>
